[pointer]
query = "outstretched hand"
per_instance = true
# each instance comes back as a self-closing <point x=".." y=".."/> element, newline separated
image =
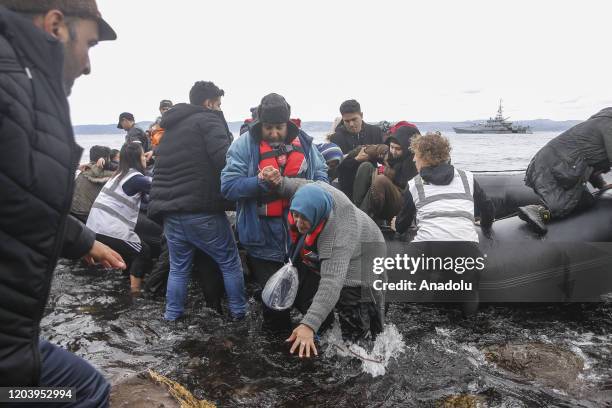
<point x="105" y="256"/>
<point x="303" y="337"/>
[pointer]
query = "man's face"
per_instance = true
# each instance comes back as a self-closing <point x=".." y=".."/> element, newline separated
<point x="83" y="34"/>
<point x="353" y="122"/>
<point x="274" y="132"/>
<point x="126" y="124"/>
<point x="213" y="104"/>
<point x="396" y="150"/>
<point x="164" y="110"/>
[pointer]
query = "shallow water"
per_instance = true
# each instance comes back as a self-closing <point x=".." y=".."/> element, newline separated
<point x="237" y="364"/>
<point x="435" y="353"/>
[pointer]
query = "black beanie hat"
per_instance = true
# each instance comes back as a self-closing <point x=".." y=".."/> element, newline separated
<point x="273" y="109"/>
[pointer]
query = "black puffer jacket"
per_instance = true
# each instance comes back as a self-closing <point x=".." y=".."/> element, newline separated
<point x="189" y="161"/>
<point x="369" y="135"/>
<point x="560" y="169"/>
<point x="38" y="161"/>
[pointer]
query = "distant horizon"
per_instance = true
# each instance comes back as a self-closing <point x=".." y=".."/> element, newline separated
<point x="365" y="120"/>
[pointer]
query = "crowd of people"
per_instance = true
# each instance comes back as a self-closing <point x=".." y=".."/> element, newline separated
<point x="167" y="193"/>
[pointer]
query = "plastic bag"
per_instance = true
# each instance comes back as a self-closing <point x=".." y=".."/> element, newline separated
<point x="281" y="289"/>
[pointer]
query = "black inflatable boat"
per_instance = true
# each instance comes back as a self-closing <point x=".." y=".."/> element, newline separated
<point x="571" y="263"/>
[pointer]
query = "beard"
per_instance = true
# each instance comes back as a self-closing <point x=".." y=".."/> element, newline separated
<point x="71" y="67"/>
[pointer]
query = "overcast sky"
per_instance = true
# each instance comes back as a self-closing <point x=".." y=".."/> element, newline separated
<point x="414" y="60"/>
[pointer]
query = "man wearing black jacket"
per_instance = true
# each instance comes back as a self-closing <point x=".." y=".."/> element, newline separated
<point x="186" y="196"/>
<point x="43" y="48"/>
<point x="351" y="133"/>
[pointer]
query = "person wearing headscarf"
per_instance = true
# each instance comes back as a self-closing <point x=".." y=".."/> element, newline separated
<point x="336" y="237"/>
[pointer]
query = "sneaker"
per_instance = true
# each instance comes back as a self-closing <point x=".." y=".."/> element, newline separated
<point x="536" y="216"/>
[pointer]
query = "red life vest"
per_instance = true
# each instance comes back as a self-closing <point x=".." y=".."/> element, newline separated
<point x="288" y="159"/>
<point x="309" y="253"/>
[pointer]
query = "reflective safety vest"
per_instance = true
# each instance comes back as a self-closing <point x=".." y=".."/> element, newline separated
<point x="309" y="253"/>
<point x="290" y="161"/>
<point x="444" y="212"/>
<point x="114" y="213"/>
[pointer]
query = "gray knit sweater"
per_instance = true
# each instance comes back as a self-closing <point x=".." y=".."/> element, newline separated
<point x="340" y="251"/>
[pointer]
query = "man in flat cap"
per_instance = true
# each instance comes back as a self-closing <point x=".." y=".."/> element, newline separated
<point x="44" y="47"/>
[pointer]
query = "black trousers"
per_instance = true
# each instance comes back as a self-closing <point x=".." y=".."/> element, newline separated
<point x="150" y="232"/>
<point x="138" y="263"/>
<point x="358" y="319"/>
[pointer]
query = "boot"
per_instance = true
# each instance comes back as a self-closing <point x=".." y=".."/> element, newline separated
<point x="536" y="216"/>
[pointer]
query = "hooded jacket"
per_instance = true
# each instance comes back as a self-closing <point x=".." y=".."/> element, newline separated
<point x="443" y="175"/>
<point x="38" y="159"/>
<point x="402" y="169"/>
<point x="189" y="161"/>
<point x="263" y="237"/>
<point x="87" y="187"/>
<point x="559" y="171"/>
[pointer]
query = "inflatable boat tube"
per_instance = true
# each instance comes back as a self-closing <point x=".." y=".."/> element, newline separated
<point x="571" y="263"/>
<point x="507" y="190"/>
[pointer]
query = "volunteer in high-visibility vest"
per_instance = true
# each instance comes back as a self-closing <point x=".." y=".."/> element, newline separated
<point x="442" y="200"/>
<point x="114" y="214"/>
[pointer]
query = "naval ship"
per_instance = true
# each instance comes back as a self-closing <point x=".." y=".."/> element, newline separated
<point x="499" y="124"/>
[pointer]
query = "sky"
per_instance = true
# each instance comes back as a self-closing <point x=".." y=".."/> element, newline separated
<point x="434" y="60"/>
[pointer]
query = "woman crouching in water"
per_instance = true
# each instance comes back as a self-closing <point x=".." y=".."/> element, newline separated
<point x="336" y="235"/>
<point x="442" y="200"/>
<point x="114" y="214"/>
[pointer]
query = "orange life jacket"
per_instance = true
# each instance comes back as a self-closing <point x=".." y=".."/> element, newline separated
<point x="292" y="159"/>
<point x="156" y="135"/>
<point x="309" y="253"/>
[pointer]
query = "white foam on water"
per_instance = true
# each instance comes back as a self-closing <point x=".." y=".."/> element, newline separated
<point x="388" y="345"/>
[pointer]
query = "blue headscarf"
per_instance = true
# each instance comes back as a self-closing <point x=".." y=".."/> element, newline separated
<point x="313" y="202"/>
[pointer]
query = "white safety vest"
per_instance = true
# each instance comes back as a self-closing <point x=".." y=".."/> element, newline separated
<point x="444" y="213"/>
<point x="114" y="213"/>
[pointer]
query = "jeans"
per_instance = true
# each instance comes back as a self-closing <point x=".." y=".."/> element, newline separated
<point x="60" y="368"/>
<point x="212" y="234"/>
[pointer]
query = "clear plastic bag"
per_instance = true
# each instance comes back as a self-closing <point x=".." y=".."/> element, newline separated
<point x="281" y="289"/>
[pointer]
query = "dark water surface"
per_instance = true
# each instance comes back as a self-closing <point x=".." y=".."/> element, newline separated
<point x="91" y="313"/>
<point x="436" y="354"/>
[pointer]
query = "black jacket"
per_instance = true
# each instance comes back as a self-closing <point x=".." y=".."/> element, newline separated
<point x="136" y="134"/>
<point x="38" y="161"/>
<point x="189" y="161"/>
<point x="443" y="174"/>
<point x="369" y="135"/>
<point x="580" y="154"/>
<point x="402" y="169"/>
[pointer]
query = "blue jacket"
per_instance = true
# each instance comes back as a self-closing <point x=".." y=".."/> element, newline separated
<point x="263" y="237"/>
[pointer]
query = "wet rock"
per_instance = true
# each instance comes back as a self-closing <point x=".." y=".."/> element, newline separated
<point x="463" y="401"/>
<point x="141" y="392"/>
<point x="153" y="390"/>
<point x="548" y="364"/>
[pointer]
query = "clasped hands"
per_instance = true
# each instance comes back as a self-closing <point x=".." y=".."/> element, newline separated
<point x="270" y="175"/>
